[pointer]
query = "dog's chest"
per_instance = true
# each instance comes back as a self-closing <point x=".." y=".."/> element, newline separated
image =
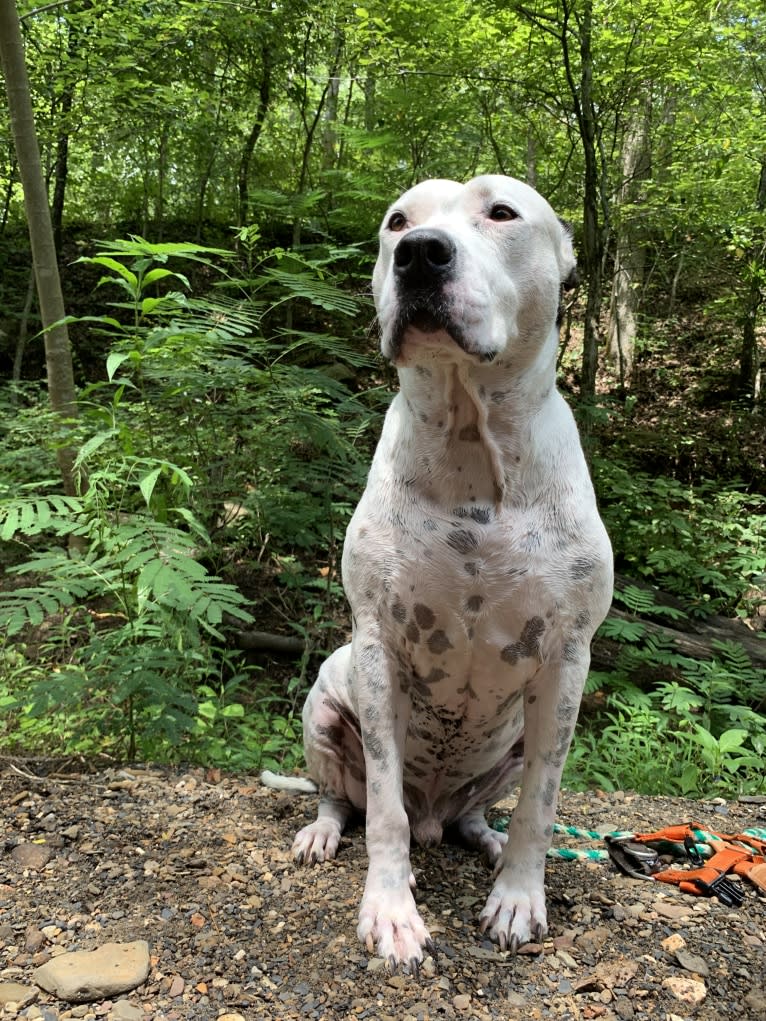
<point x="462" y="605"/>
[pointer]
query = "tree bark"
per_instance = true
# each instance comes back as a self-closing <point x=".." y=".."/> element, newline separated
<point x="58" y="354"/>
<point x="629" y="262"/>
<point x="697" y="644"/>
<point x="592" y="252"/>
<point x="264" y="97"/>
<point x="749" y="358"/>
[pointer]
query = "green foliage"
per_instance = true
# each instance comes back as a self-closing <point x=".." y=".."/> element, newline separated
<point x="699" y="730"/>
<point x="121" y="606"/>
<point x="705" y="543"/>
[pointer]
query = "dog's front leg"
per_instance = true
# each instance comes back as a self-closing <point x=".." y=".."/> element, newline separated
<point x="515" y="910"/>
<point x="388" y="917"/>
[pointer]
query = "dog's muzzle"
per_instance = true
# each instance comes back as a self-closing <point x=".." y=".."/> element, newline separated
<point x="424" y="261"/>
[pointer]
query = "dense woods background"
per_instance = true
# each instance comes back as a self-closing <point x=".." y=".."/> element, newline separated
<point x="193" y="492"/>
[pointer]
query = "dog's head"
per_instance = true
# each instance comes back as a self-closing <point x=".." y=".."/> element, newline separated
<point x="469" y="270"/>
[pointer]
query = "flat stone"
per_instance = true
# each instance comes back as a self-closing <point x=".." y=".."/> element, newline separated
<point x="86" y="975"/>
<point x="669" y="910"/>
<point x="124" y="1010"/>
<point x="685" y="989"/>
<point x="13" y="992"/>
<point x="674" y="943"/>
<point x="692" y="962"/>
<point x="32" y="856"/>
<point x="756" y="1001"/>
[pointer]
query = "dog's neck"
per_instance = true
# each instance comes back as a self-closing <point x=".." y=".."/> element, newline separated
<point x="473" y="423"/>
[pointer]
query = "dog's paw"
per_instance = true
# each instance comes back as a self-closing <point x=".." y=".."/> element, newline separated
<point x="476" y="833"/>
<point x="390" y="924"/>
<point x="316" y="842"/>
<point x="514" y="914"/>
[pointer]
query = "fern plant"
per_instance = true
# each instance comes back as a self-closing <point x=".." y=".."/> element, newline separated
<point x="204" y="401"/>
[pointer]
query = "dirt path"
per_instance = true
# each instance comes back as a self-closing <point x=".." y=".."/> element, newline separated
<point x="198" y="865"/>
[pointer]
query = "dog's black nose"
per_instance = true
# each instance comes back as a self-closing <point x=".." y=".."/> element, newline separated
<point x="424" y="256"/>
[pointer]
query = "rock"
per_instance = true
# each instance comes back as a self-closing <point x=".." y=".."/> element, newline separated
<point x="669" y="910"/>
<point x="32" y="856"/>
<point x="692" y="962"/>
<point x="95" y="974"/>
<point x="685" y="989"/>
<point x="13" y="992"/>
<point x="230" y="1017"/>
<point x="462" y="1001"/>
<point x="177" y="986"/>
<point x="673" y="943"/>
<point x="33" y="939"/>
<point x="756" y="1001"/>
<point x="124" y="1010"/>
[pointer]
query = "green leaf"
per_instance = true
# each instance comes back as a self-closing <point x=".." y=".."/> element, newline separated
<point x="148" y="482"/>
<point x="731" y="740"/>
<point x="104" y="260"/>
<point x="114" y="361"/>
<point x="157" y="274"/>
<point x="93" y="444"/>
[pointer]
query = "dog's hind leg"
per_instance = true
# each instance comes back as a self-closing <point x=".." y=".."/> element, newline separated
<point x="335" y="761"/>
<point x="475" y="831"/>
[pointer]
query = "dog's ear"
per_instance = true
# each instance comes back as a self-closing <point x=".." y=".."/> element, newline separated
<point x="571" y="281"/>
<point x="567" y="260"/>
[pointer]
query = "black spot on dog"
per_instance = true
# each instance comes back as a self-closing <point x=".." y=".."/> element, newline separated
<point x="424" y="615"/>
<point x="582" y="567"/>
<point x="471" y="568"/>
<point x="475" y="603"/>
<point x="469" y="433"/>
<point x="570" y="651"/>
<point x="399" y="612"/>
<point x="527" y="645"/>
<point x="583" y="621"/>
<point x="435" y="676"/>
<point x="413" y="632"/>
<point x="438" y="643"/>
<point x="463" y="541"/>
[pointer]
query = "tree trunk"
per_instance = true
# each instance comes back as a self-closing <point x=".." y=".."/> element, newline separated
<point x="61" y="167"/>
<point x="310" y="127"/>
<point x="629" y="262"/>
<point x="264" y="97"/>
<point x="330" y="134"/>
<point x="58" y="354"/>
<point x="749" y="359"/>
<point x="21" y="341"/>
<point x="8" y="195"/>
<point x="586" y="115"/>
<point x="207" y="171"/>
<point x="697" y="644"/>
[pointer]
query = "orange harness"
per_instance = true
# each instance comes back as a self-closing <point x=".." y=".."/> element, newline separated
<point x="740" y="853"/>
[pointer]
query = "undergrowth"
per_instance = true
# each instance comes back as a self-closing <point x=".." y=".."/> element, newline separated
<point x="224" y="443"/>
<point x="216" y="432"/>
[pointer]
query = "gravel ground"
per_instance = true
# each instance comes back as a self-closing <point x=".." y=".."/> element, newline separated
<point x="198" y="864"/>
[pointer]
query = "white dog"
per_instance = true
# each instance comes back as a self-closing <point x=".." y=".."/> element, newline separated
<point x="476" y="566"/>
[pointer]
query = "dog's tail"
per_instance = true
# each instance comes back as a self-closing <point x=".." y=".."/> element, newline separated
<point x="297" y="784"/>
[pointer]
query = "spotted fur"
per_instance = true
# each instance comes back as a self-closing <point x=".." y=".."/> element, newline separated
<point x="476" y="566"/>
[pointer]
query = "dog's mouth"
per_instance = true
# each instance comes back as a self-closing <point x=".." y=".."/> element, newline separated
<point x="422" y="321"/>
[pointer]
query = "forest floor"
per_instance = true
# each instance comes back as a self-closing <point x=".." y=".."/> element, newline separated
<point x="198" y="864"/>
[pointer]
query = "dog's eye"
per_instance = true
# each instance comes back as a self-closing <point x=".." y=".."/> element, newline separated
<point x="397" y="222"/>
<point x="501" y="213"/>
